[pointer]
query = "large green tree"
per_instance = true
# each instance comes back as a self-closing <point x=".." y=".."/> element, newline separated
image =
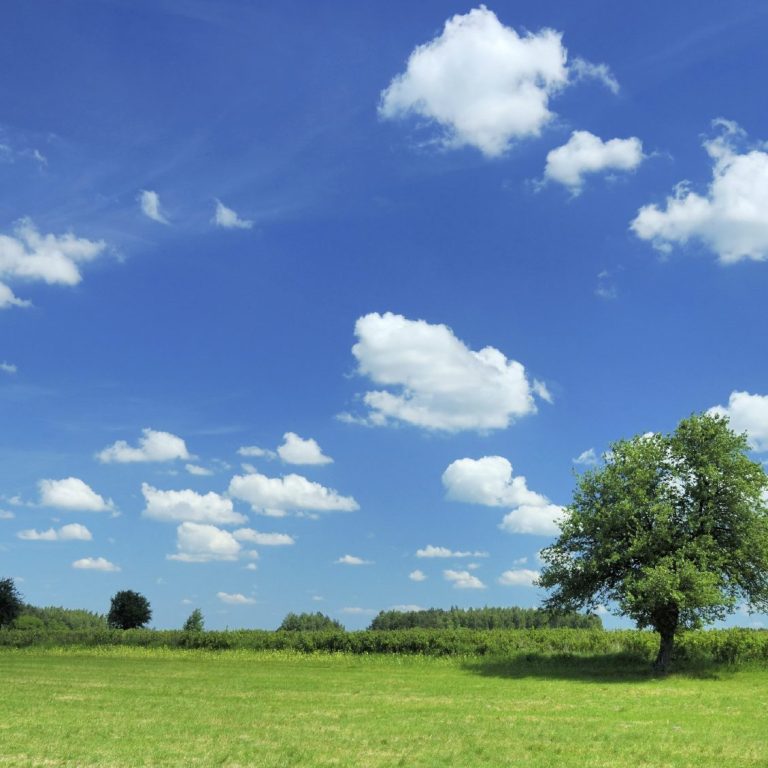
<point x="10" y="602"/>
<point x="672" y="530"/>
<point x="128" y="610"/>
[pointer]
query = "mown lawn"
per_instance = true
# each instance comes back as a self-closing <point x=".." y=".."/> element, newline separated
<point x="130" y="707"/>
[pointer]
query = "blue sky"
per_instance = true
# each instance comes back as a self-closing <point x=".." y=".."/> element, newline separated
<point x="314" y="306"/>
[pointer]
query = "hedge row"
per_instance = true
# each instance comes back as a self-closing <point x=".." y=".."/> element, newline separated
<point x="725" y="645"/>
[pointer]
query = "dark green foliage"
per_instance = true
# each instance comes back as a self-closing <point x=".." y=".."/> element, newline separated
<point x="720" y="646"/>
<point x="10" y="602"/>
<point x="673" y="530"/>
<point x="484" y="618"/>
<point x="309" y="622"/>
<point x="54" y="618"/>
<point x="195" y="622"/>
<point x="129" y="610"/>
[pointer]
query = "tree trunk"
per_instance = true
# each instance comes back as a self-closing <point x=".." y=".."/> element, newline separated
<point x="666" y="646"/>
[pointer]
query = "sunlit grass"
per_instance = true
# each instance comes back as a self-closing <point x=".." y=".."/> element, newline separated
<point x="130" y="707"/>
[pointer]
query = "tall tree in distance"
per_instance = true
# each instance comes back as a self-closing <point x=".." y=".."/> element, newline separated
<point x="129" y="610"/>
<point x="10" y="602"/>
<point x="672" y="530"/>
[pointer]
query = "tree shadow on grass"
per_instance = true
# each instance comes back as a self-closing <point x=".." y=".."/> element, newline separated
<point x="605" y="668"/>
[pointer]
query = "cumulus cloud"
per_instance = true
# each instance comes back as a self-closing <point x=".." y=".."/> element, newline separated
<point x="253" y="451"/>
<point x="8" y="368"/>
<point x="53" y="259"/>
<point x="585" y="153"/>
<point x="199" y="543"/>
<point x="587" y="458"/>
<point x="519" y="577"/>
<point x="263" y="539"/>
<point x="5" y="515"/>
<point x="731" y="219"/>
<point x="430" y="551"/>
<point x="417" y="575"/>
<point x="297" y="450"/>
<point x="150" y="206"/>
<point x="747" y="413"/>
<point x="197" y="470"/>
<point x="235" y="599"/>
<point x="352" y="560"/>
<point x="73" y="494"/>
<point x="228" y="219"/>
<point x="71" y="532"/>
<point x="481" y="82"/>
<point x="153" y="446"/>
<point x="489" y="481"/>
<point x="463" y="580"/>
<point x="439" y="382"/>
<point x="95" y="564"/>
<point x="355" y="610"/>
<point x="277" y="496"/>
<point x="187" y="505"/>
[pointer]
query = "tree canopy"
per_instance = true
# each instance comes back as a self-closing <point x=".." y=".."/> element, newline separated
<point x="672" y="530"/>
<point x="309" y="622"/>
<point x="129" y="610"/>
<point x="483" y="618"/>
<point x="10" y="602"/>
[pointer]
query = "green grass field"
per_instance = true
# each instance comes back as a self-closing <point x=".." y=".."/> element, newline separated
<point x="130" y="707"/>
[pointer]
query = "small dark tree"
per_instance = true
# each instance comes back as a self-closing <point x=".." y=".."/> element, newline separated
<point x="10" y="602"/>
<point x="309" y="622"/>
<point x="673" y="530"/>
<point x="195" y="622"/>
<point x="128" y="610"/>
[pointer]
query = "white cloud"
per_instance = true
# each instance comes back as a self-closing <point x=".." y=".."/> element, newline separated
<point x="8" y="368"/>
<point x="73" y="494"/>
<point x="417" y="575"/>
<point x="586" y="70"/>
<point x="235" y="599"/>
<point x="731" y="219"/>
<point x="255" y="451"/>
<point x="588" y="457"/>
<point x="481" y="82"/>
<point x="297" y="450"/>
<point x="277" y="496"/>
<point x="194" y="469"/>
<point x="153" y="446"/>
<point x="747" y="413"/>
<point x="227" y="218"/>
<point x="357" y="611"/>
<point x="489" y="481"/>
<point x="586" y="153"/>
<point x="440" y="383"/>
<point x="4" y="515"/>
<point x="430" y="551"/>
<point x="198" y="543"/>
<point x="95" y="564"/>
<point x="263" y="539"/>
<point x="9" y="299"/>
<point x="71" y="532"/>
<point x="352" y="560"/>
<point x="53" y="259"/>
<point x="520" y="577"/>
<point x="150" y="206"/>
<point x="409" y="608"/>
<point x="463" y="580"/>
<point x="251" y="567"/>
<point x="187" y="505"/>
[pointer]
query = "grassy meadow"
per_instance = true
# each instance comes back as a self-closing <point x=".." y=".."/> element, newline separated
<point x="158" y="707"/>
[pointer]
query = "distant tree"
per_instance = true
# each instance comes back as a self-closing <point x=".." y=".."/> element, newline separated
<point x="195" y="622"/>
<point x="10" y="602"/>
<point x="54" y="618"/>
<point x="309" y="622"/>
<point x="129" y="610"/>
<point x="484" y="618"/>
<point x="672" y="530"/>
